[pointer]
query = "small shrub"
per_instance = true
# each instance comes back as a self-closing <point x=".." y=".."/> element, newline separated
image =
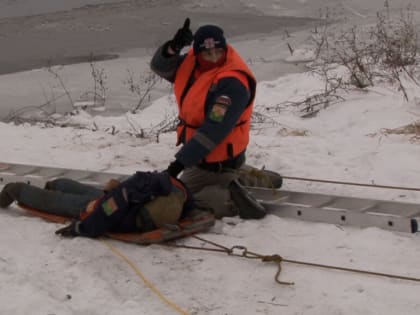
<point x="386" y="51"/>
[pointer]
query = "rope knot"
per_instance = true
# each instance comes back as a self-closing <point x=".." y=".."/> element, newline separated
<point x="275" y="258"/>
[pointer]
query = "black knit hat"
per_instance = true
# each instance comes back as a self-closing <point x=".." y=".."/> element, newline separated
<point x="208" y="36"/>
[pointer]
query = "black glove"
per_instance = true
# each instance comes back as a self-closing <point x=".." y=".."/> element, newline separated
<point x="175" y="168"/>
<point x="182" y="38"/>
<point x="69" y="230"/>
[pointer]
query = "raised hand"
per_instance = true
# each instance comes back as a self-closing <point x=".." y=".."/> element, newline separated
<point x="182" y="38"/>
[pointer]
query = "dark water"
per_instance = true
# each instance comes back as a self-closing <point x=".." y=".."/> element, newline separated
<point x="53" y="32"/>
<point x="15" y="8"/>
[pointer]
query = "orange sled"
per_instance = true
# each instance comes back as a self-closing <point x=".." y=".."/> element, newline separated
<point x="185" y="227"/>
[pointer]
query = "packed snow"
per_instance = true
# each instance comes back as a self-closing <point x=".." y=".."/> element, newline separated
<point x="44" y="274"/>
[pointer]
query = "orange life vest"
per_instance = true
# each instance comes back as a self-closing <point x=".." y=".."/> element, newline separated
<point x="191" y="103"/>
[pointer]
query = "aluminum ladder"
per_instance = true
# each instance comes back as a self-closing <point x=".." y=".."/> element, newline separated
<point x="340" y="210"/>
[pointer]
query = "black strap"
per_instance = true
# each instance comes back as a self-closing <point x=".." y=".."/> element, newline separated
<point x="190" y="82"/>
<point x="230" y="150"/>
<point x="182" y="122"/>
<point x="223" y="166"/>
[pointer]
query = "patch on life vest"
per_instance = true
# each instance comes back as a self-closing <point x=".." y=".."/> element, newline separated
<point x="109" y="206"/>
<point x="224" y="100"/>
<point x="220" y="107"/>
<point x="218" y="112"/>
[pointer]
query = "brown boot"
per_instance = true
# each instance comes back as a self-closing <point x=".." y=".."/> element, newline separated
<point x="253" y="177"/>
<point x="10" y="193"/>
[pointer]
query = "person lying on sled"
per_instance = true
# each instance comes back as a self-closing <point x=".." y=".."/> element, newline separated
<point x="143" y="202"/>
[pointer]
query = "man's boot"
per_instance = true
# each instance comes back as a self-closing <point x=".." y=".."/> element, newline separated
<point x="10" y="193"/>
<point x="248" y="206"/>
<point x="253" y="177"/>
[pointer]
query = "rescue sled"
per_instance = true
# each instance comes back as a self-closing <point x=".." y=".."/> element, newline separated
<point x="195" y="223"/>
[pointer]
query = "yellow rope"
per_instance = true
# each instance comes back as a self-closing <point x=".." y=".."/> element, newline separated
<point x="145" y="280"/>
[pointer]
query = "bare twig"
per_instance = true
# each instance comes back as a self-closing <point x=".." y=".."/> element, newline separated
<point x="59" y="79"/>
<point x="141" y="87"/>
<point x="99" y="78"/>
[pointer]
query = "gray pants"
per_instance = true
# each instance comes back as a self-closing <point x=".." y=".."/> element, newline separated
<point x="61" y="196"/>
<point x="210" y="190"/>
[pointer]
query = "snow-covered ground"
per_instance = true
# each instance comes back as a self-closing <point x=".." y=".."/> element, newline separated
<point x="41" y="273"/>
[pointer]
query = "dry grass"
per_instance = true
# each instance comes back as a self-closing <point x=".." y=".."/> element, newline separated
<point x="293" y="132"/>
<point x="410" y="129"/>
<point x="413" y="128"/>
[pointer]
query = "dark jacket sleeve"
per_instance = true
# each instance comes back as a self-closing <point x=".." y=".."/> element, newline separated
<point x="212" y="132"/>
<point x="165" y="66"/>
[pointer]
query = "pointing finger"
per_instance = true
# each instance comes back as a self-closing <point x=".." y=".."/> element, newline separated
<point x="186" y="24"/>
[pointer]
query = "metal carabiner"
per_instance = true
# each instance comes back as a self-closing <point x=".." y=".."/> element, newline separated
<point x="243" y="250"/>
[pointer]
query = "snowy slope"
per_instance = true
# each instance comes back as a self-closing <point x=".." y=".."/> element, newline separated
<point x="42" y="273"/>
